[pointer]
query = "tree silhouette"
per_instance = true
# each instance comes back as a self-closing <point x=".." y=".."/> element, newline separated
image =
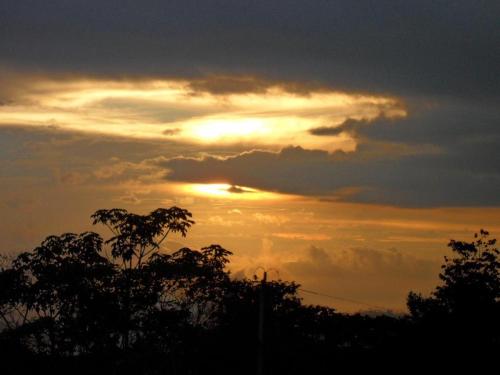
<point x="67" y="297"/>
<point x="466" y="307"/>
<point x="78" y="295"/>
<point x="136" y="238"/>
<point x="58" y="292"/>
<point x="80" y="303"/>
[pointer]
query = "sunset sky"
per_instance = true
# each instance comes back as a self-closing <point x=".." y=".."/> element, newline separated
<point x="341" y="144"/>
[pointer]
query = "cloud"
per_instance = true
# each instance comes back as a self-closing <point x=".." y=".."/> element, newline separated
<point x="223" y="85"/>
<point x="270" y="219"/>
<point x="73" y="178"/>
<point x="437" y="58"/>
<point x="275" y="116"/>
<point x="130" y="198"/>
<point x="171" y="131"/>
<point x="349" y="125"/>
<point x="238" y="190"/>
<point x="365" y="274"/>
<point x="42" y="156"/>
<point x="442" y="154"/>
<point x="302" y="236"/>
<point x="241" y="84"/>
<point x="221" y="221"/>
<point x="426" y="47"/>
<point x="422" y="180"/>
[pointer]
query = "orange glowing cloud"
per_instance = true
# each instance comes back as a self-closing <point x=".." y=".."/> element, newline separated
<point x="175" y="110"/>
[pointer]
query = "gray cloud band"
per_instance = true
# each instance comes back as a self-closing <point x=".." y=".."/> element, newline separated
<point x="401" y="47"/>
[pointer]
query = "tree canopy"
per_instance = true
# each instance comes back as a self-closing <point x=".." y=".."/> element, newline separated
<point x="467" y="303"/>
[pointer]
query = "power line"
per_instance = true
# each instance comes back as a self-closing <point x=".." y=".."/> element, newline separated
<point x="343" y="299"/>
<point x="357" y="302"/>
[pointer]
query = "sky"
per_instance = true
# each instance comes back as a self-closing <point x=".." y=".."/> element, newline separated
<point x="340" y="144"/>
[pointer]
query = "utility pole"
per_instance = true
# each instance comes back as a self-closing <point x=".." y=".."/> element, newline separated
<point x="262" y="313"/>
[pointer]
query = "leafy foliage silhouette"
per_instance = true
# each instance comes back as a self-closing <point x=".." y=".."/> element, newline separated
<point x="466" y="306"/>
<point x="82" y="304"/>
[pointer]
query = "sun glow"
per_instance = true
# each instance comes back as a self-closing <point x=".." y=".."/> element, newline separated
<point x="212" y="130"/>
<point x="212" y="189"/>
<point x="229" y="191"/>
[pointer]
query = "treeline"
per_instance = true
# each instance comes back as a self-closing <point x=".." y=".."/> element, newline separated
<point x="81" y="304"/>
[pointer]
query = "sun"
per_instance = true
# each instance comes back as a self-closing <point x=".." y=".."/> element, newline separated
<point x="228" y="191"/>
<point x="212" y="189"/>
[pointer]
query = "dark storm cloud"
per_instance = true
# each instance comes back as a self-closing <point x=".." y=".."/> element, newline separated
<point x="402" y="47"/>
